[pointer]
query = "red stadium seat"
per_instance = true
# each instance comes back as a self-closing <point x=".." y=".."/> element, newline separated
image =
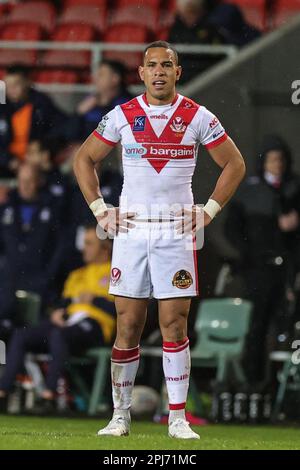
<point x="147" y="16"/>
<point x="72" y="59"/>
<point x="21" y="32"/>
<point x="56" y="76"/>
<point x="20" y="56"/>
<point x="91" y="15"/>
<point x="156" y="4"/>
<point x="127" y="33"/>
<point x="42" y="13"/>
<point x="131" y="59"/>
<point x="75" y="33"/>
<point x="68" y="3"/>
<point x="285" y="10"/>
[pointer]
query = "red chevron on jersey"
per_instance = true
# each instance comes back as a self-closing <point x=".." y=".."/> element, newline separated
<point x="172" y="134"/>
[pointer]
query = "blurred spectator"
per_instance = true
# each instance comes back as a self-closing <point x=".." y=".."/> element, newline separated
<point x="263" y="224"/>
<point x="208" y="22"/>
<point x="42" y="153"/>
<point x="31" y="240"/>
<point x="192" y="26"/>
<point x="110" y="90"/>
<point x="27" y="115"/>
<point x="229" y="21"/>
<point x="85" y="318"/>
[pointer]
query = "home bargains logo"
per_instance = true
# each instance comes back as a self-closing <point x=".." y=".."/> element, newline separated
<point x="161" y="151"/>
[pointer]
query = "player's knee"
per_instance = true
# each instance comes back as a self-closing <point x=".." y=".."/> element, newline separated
<point x="174" y="326"/>
<point x="128" y="328"/>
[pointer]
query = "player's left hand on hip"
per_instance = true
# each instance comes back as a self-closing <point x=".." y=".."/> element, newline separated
<point x="193" y="219"/>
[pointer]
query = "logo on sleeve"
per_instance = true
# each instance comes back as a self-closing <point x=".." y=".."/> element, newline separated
<point x="139" y="123"/>
<point x="102" y="124"/>
<point x="214" y="123"/>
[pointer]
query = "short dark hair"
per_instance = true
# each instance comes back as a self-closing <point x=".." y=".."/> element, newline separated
<point x="165" y="45"/>
<point x="117" y="67"/>
<point x="18" y="69"/>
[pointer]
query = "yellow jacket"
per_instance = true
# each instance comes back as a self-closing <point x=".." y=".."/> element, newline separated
<point x="92" y="278"/>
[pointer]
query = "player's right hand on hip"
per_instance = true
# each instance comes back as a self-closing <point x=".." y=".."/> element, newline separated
<point x="113" y="221"/>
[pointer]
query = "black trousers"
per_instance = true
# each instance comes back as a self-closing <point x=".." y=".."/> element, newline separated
<point x="49" y="338"/>
<point x="266" y="289"/>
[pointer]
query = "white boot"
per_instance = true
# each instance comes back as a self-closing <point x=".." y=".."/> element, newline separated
<point x="180" y="429"/>
<point x="118" y="426"/>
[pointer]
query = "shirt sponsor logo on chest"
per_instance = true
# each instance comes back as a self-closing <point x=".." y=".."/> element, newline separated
<point x="171" y="152"/>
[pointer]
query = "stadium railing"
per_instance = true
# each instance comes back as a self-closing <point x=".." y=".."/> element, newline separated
<point x="97" y="50"/>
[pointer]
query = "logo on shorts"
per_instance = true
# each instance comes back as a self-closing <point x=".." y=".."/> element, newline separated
<point x="115" y="276"/>
<point x="182" y="279"/>
<point x="139" y="123"/>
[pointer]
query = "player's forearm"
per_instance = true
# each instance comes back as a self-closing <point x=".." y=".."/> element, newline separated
<point x="229" y="180"/>
<point x="84" y="169"/>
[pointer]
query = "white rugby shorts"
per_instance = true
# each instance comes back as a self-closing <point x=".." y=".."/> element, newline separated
<point x="151" y="261"/>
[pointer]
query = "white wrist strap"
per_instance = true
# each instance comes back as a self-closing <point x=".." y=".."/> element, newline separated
<point x="98" y="207"/>
<point x="212" y="208"/>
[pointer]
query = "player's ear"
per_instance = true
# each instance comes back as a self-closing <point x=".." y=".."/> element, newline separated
<point x="178" y="72"/>
<point x="141" y="73"/>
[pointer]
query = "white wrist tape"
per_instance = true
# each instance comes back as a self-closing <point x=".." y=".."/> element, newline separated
<point x="212" y="208"/>
<point x="98" y="207"/>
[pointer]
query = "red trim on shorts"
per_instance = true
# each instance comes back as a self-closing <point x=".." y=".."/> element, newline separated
<point x="196" y="265"/>
<point x="177" y="406"/>
<point x="106" y="141"/>
<point x="217" y="142"/>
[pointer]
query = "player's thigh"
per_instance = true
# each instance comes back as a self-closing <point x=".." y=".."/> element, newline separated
<point x="130" y="310"/>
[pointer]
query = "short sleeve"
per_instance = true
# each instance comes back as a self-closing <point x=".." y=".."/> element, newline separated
<point x="211" y="132"/>
<point x="107" y="129"/>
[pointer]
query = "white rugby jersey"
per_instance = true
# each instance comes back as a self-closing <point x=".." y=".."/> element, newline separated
<point x="159" y="150"/>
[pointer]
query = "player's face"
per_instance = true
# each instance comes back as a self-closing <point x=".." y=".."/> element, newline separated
<point x="160" y="73"/>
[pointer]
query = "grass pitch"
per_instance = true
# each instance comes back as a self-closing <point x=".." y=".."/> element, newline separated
<point x="65" y="434"/>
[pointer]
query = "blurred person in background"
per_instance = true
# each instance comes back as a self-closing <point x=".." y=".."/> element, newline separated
<point x="42" y="153"/>
<point x="192" y="26"/>
<point x="230" y="23"/>
<point x="84" y="318"/>
<point x="208" y="22"/>
<point x="27" y="115"/>
<point x="31" y="241"/>
<point x="110" y="90"/>
<point x="263" y="224"/>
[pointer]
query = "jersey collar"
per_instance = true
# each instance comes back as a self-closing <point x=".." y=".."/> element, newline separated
<point x="144" y="97"/>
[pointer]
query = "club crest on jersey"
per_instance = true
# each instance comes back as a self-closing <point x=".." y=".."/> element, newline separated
<point x="182" y="279"/>
<point x="178" y="125"/>
<point x="115" y="276"/>
<point x="139" y="123"/>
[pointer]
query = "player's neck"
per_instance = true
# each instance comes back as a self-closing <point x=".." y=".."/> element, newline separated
<point x="151" y="100"/>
